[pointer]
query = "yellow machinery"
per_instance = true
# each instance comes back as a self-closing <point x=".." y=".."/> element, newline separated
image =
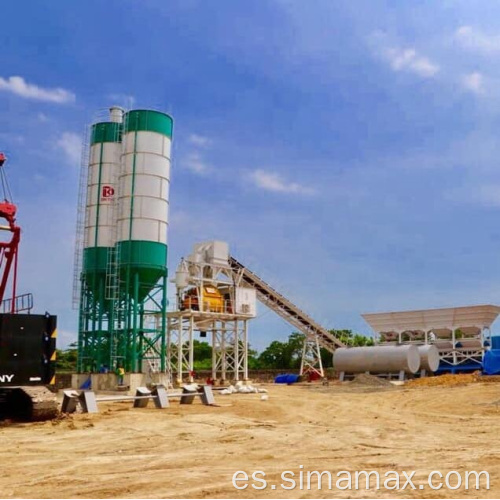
<point x="213" y="300"/>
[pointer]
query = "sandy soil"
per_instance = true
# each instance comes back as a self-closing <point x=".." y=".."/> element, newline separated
<point x="193" y="451"/>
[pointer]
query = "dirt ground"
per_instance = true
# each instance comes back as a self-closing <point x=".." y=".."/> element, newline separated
<point x="193" y="451"/>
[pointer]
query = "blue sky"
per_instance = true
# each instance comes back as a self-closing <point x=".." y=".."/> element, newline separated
<point x="347" y="151"/>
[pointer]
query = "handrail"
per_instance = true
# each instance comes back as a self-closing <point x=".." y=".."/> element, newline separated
<point x="22" y="303"/>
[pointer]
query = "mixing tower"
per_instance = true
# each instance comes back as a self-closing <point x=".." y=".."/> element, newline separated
<point x="211" y="303"/>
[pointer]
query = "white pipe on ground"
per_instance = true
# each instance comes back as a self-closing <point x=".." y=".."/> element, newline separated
<point x="377" y="359"/>
<point x="429" y="357"/>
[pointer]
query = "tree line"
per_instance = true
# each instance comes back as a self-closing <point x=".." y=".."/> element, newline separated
<point x="288" y="354"/>
<point x="279" y="355"/>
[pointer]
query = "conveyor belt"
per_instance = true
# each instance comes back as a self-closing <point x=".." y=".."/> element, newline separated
<point x="284" y="308"/>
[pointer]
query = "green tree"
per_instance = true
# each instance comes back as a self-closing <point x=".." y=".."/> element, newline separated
<point x="326" y="358"/>
<point x="203" y="356"/>
<point x="287" y="355"/>
<point x="253" y="359"/>
<point x="274" y="356"/>
<point x="349" y="338"/>
<point x="283" y="355"/>
<point x="66" y="359"/>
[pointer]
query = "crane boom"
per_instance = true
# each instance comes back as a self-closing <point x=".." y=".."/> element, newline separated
<point x="9" y="248"/>
<point x="27" y="341"/>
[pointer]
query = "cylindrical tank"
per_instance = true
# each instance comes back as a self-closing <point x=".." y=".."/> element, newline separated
<point x="429" y="357"/>
<point x="104" y="164"/>
<point x="181" y="278"/>
<point x="116" y="114"/>
<point x="143" y="199"/>
<point x="377" y="359"/>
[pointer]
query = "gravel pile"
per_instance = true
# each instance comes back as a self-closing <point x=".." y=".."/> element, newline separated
<point x="370" y="380"/>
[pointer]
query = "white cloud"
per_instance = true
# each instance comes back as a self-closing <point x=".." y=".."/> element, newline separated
<point x="196" y="164"/>
<point x="271" y="181"/>
<point x="485" y="195"/>
<point x="17" y="85"/>
<point x="199" y="140"/>
<point x="71" y="145"/>
<point x="42" y="117"/>
<point x="474" y="82"/>
<point x="410" y="60"/>
<point x="474" y="39"/>
<point x="489" y="195"/>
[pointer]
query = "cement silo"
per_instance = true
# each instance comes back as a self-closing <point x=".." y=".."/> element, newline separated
<point x="104" y="165"/>
<point x="144" y="185"/>
<point x="124" y="276"/>
<point x="99" y="236"/>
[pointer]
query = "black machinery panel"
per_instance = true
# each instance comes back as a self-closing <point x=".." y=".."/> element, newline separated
<point x="27" y="349"/>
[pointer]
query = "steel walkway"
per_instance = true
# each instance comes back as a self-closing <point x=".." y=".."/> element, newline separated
<point x="284" y="308"/>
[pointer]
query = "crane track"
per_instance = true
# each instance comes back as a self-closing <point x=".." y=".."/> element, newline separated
<point x="28" y="404"/>
<point x="44" y="403"/>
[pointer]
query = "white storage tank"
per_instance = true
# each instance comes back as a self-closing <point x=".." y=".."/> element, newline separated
<point x="144" y="185"/>
<point x="429" y="357"/>
<point x="103" y="169"/>
<point x="377" y="359"/>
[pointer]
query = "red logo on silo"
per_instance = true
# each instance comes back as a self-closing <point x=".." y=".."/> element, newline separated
<point x="107" y="193"/>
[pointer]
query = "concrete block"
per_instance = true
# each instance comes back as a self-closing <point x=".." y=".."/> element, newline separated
<point x="188" y="400"/>
<point x="77" y="379"/>
<point x="159" y="379"/>
<point x="207" y="395"/>
<point x="70" y="401"/>
<point x="134" y="381"/>
<point x="88" y="402"/>
<point x="140" y="392"/>
<point x="104" y="381"/>
<point x="160" y="397"/>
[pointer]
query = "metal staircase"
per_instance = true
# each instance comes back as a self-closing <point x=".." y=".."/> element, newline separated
<point x="80" y="220"/>
<point x="284" y="308"/>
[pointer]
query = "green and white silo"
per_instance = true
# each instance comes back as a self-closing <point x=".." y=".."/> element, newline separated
<point x="99" y="239"/>
<point x="142" y="223"/>
<point x="104" y="165"/>
<point x="123" y="297"/>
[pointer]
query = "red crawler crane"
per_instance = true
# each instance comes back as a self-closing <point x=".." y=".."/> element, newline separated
<point x="27" y="341"/>
<point x="8" y="249"/>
